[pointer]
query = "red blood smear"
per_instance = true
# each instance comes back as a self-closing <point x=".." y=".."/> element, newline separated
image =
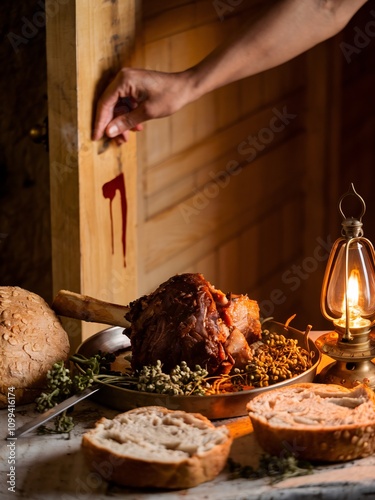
<point x="109" y="191"/>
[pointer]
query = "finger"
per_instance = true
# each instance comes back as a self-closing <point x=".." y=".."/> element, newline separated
<point x="137" y="128"/>
<point x="128" y="121"/>
<point x="103" y="116"/>
<point x="119" y="140"/>
<point x="106" y="109"/>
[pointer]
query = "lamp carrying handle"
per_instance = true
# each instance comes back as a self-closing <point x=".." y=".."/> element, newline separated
<point x="352" y="192"/>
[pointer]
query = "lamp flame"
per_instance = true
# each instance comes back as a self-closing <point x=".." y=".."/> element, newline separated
<point x="353" y="291"/>
<point x="351" y="306"/>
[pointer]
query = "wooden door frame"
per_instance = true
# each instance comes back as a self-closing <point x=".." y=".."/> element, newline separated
<point x="87" y="42"/>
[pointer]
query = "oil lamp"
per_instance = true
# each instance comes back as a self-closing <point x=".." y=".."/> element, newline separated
<point x="348" y="300"/>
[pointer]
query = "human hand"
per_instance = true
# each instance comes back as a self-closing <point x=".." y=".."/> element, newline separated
<point x="134" y="96"/>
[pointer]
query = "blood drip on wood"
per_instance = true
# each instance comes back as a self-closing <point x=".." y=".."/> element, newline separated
<point x="109" y="191"/>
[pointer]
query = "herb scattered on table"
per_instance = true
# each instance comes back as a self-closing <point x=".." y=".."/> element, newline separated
<point x="275" y="467"/>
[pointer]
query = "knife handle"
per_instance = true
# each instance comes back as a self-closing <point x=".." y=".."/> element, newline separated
<point x="83" y="307"/>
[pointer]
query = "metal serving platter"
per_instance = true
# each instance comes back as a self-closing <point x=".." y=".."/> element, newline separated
<point x="216" y="406"/>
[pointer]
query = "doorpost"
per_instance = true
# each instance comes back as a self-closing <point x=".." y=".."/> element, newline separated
<point x="93" y="185"/>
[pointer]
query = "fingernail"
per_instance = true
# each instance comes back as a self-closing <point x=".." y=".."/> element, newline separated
<point x="113" y="131"/>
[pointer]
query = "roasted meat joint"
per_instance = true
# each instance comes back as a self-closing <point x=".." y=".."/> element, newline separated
<point x="187" y="319"/>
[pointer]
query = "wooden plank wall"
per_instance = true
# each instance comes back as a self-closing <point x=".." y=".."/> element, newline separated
<point x="228" y="188"/>
<point x="357" y="106"/>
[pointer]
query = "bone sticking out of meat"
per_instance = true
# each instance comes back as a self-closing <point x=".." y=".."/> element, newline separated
<point x="77" y="306"/>
<point x="188" y="319"/>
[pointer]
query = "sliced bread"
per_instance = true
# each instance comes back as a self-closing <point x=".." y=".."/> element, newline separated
<point x="315" y="422"/>
<point x="155" y="447"/>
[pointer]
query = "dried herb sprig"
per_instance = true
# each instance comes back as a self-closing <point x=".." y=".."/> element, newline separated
<point x="180" y="381"/>
<point x="276" y="358"/>
<point x="277" y="468"/>
<point x="62" y="423"/>
<point x="61" y="384"/>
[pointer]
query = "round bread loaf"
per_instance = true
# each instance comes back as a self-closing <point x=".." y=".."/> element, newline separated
<point x="32" y="339"/>
<point x="159" y="448"/>
<point x="315" y="422"/>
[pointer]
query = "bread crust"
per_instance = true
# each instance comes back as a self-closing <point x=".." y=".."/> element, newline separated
<point x="324" y="441"/>
<point x="32" y="339"/>
<point x="126" y="469"/>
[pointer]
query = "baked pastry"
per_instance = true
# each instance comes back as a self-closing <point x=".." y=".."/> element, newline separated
<point x="32" y="339"/>
<point x="316" y="422"/>
<point x="156" y="447"/>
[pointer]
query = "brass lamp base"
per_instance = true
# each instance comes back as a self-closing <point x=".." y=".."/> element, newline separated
<point x="348" y="374"/>
<point x="353" y="360"/>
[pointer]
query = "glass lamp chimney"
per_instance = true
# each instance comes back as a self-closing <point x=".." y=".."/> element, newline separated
<point x="348" y="292"/>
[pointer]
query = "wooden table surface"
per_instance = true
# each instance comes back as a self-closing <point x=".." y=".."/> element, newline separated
<point x="51" y="467"/>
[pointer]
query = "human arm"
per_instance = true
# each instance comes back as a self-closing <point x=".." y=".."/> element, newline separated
<point x="287" y="29"/>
